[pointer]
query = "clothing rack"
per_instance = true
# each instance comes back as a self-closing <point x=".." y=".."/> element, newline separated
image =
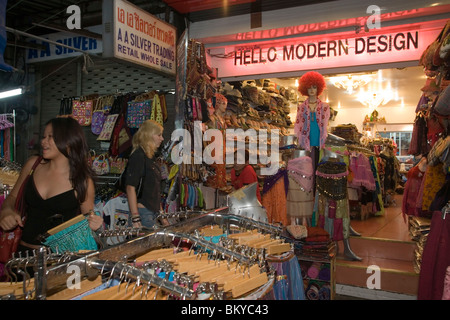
<point x="54" y="266"/>
<point x="361" y="149"/>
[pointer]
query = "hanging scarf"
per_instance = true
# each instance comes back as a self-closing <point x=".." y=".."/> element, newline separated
<point x="301" y="170"/>
<point x="270" y="181"/>
<point x="332" y="179"/>
<point x="302" y="123"/>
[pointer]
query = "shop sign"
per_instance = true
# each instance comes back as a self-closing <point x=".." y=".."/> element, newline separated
<point x="54" y="52"/>
<point x="325" y="52"/>
<point x="141" y="38"/>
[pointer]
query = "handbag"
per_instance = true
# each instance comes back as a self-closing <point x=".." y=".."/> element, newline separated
<point x="108" y="127"/>
<point x="98" y="116"/>
<point x="442" y="105"/>
<point x="117" y="165"/>
<point x="138" y="112"/>
<point x="9" y="240"/>
<point x="157" y="114"/>
<point x="100" y="165"/>
<point x="82" y="111"/>
<point x="65" y="108"/>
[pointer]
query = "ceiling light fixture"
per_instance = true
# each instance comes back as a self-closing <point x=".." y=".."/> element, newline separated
<point x="350" y="82"/>
<point x="375" y="99"/>
<point x="11" y="92"/>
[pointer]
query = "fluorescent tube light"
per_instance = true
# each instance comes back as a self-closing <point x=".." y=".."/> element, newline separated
<point x="11" y="93"/>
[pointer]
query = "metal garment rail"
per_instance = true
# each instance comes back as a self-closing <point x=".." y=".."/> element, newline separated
<point x="55" y="276"/>
<point x="140" y="276"/>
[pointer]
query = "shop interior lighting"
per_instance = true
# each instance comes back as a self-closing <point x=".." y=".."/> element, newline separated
<point x="11" y="92"/>
<point x="375" y="99"/>
<point x="351" y="82"/>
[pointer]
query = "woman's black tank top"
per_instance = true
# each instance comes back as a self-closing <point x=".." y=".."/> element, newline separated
<point x="44" y="214"/>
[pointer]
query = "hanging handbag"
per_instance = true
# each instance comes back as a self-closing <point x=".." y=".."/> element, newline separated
<point x="138" y="112"/>
<point x="65" y="108"/>
<point x="82" y="111"/>
<point x="98" y="116"/>
<point x="117" y="165"/>
<point x="9" y="240"/>
<point x="101" y="165"/>
<point x="156" y="110"/>
<point x="108" y="127"/>
<point x="442" y="105"/>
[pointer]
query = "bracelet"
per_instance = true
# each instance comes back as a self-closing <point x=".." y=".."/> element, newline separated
<point x="136" y="219"/>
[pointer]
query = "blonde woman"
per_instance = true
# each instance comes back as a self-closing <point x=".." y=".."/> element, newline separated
<point x="143" y="176"/>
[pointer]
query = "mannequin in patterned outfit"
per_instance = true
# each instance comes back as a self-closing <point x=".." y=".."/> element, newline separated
<point x="312" y="116"/>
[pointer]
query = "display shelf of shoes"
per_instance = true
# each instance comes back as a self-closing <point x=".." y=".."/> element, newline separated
<point x="318" y="276"/>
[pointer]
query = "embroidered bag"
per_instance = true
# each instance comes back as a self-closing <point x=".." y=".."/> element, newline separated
<point x="138" y="112"/>
<point x="117" y="165"/>
<point x="100" y="165"/>
<point x="108" y="127"/>
<point x="82" y="111"/>
<point x="98" y="116"/>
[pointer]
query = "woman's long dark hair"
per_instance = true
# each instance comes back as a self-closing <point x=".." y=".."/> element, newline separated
<point x="71" y="142"/>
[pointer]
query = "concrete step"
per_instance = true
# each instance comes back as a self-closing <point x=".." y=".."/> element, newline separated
<point x="386" y="264"/>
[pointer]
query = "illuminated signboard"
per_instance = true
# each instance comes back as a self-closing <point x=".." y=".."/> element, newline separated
<point x="345" y="49"/>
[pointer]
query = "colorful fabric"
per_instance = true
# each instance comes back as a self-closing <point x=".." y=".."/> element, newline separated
<point x="314" y="131"/>
<point x="246" y="177"/>
<point x="433" y="181"/>
<point x="275" y="203"/>
<point x="411" y="192"/>
<point x="302" y="123"/>
<point x="301" y="170"/>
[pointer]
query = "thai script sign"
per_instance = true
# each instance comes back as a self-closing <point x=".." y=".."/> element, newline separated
<point x="141" y="38"/>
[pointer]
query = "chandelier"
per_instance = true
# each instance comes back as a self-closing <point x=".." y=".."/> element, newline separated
<point x="375" y="99"/>
<point x="350" y="82"/>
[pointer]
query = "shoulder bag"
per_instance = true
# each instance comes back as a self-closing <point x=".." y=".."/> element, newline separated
<point x="9" y="240"/>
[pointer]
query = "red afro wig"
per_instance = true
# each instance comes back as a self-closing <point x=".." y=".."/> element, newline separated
<point x="311" y="78"/>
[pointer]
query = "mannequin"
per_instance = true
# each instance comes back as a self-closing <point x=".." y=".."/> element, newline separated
<point x="313" y="114"/>
<point x="332" y="156"/>
<point x="217" y="119"/>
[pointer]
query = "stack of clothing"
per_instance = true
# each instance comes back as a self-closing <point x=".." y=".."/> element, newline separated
<point x="419" y="228"/>
<point x="347" y="131"/>
<point x="318" y="243"/>
<point x="312" y="242"/>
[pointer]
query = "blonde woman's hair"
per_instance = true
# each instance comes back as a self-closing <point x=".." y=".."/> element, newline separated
<point x="143" y="138"/>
